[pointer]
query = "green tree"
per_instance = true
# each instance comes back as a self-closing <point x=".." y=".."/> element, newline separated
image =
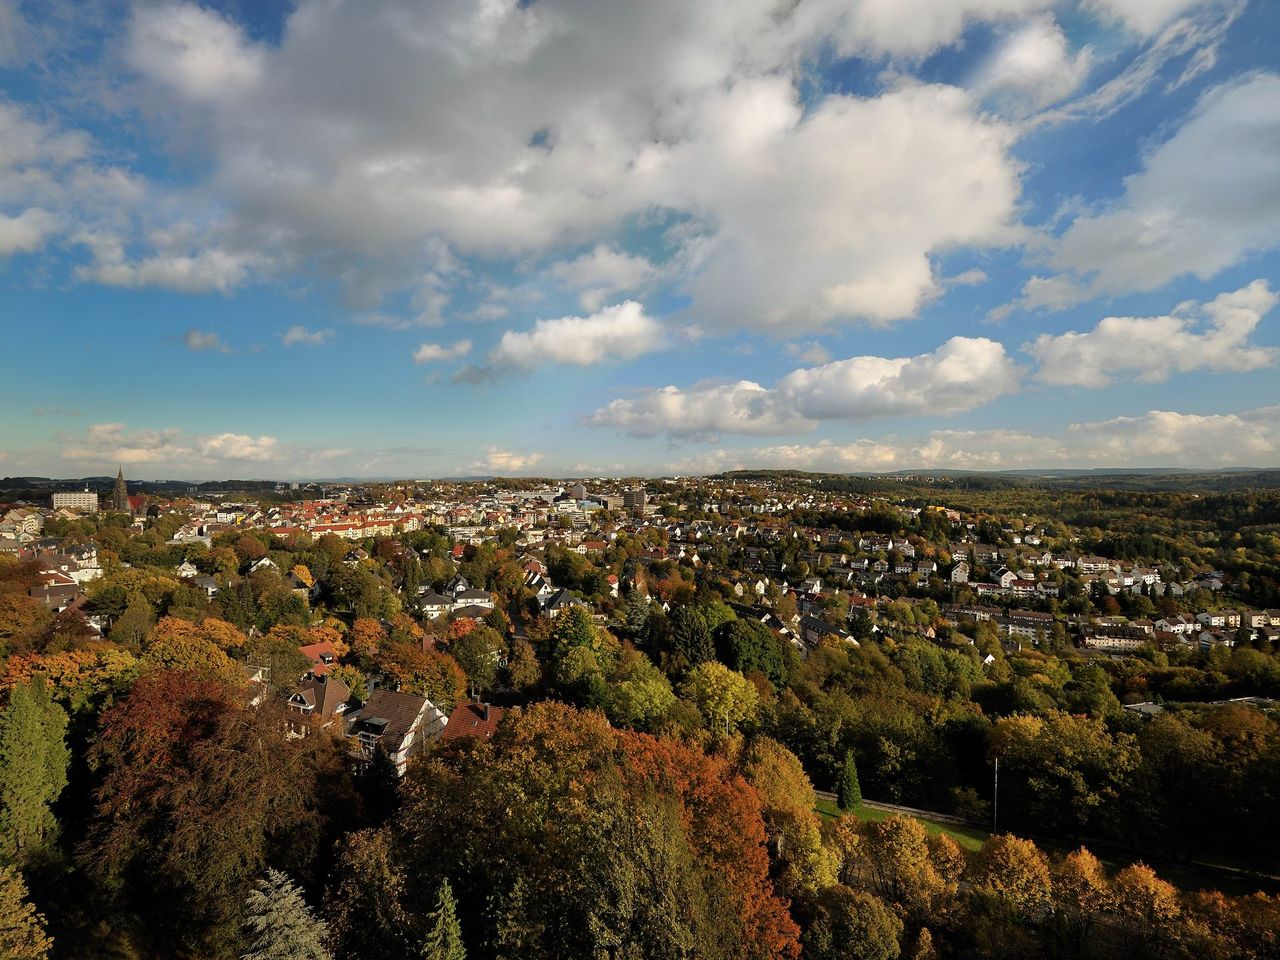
<point x="444" y="933"/>
<point x="849" y="923"/>
<point x="478" y="652"/>
<point x="725" y="699"/>
<point x="523" y="669"/>
<point x="747" y="645"/>
<point x="33" y="768"/>
<point x="691" y="640"/>
<point x="22" y="929"/>
<point x="848" y="789"/>
<point x="280" y="926"/>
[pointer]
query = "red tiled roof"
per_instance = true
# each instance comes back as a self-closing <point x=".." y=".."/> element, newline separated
<point x="468" y="720"/>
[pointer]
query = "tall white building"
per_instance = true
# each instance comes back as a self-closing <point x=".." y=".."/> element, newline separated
<point x="85" y="500"/>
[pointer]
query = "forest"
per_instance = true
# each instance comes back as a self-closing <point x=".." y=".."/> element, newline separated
<point x="653" y="787"/>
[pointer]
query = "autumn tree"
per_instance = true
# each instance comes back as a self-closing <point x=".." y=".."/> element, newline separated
<point x="22" y="927"/>
<point x="523" y="670"/>
<point x="33" y="768"/>
<point x="1011" y="894"/>
<point x="565" y="837"/>
<point x="843" y="923"/>
<point x="787" y="800"/>
<point x="1148" y="912"/>
<point x="1082" y="896"/>
<point x="366" y="903"/>
<point x="428" y="673"/>
<point x="196" y="795"/>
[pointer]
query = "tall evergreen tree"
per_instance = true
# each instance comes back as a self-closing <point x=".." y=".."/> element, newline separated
<point x="280" y="926"/>
<point x="444" y="936"/>
<point x="33" y="768"/>
<point x="22" y="931"/>
<point x="848" y="789"/>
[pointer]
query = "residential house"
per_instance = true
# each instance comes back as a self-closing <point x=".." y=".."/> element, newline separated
<point x="401" y="724"/>
<point x="471" y="719"/>
<point x="316" y="705"/>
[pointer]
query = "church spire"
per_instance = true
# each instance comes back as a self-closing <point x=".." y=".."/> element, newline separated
<point x="120" y="493"/>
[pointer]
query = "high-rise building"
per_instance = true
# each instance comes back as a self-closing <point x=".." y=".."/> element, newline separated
<point x="120" y="494"/>
<point x="85" y="500"/>
<point x="633" y="498"/>
<point x="577" y="491"/>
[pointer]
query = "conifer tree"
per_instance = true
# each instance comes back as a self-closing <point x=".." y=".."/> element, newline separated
<point x="848" y="789"/>
<point x="22" y="931"/>
<point x="280" y="926"/>
<point x="444" y="936"/>
<point x="33" y="768"/>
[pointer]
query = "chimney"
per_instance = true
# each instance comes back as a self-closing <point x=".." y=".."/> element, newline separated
<point x="484" y="712"/>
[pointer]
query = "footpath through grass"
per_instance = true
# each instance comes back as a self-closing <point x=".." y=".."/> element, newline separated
<point x="970" y="838"/>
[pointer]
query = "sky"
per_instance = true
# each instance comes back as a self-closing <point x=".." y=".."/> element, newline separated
<point x="383" y="238"/>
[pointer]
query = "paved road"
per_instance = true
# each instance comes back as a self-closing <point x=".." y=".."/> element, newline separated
<point x="908" y="811"/>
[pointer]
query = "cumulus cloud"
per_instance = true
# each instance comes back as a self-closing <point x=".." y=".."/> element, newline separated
<point x="586" y="117"/>
<point x="26" y="232"/>
<point x="210" y="270"/>
<point x="1033" y="67"/>
<point x="298" y="335"/>
<point x="603" y="272"/>
<point x="961" y="374"/>
<point x="434" y="352"/>
<point x="1204" y="199"/>
<point x="1162" y="436"/>
<point x="498" y="460"/>
<point x="1154" y="348"/>
<point x="621" y="332"/>
<point x="1155" y="439"/>
<point x="173" y="449"/>
<point x="193" y="50"/>
<point x="199" y="341"/>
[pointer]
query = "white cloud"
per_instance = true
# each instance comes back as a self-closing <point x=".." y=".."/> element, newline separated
<point x="1205" y="199"/>
<point x="623" y="332"/>
<point x="1155" y="439"/>
<point x="1154" y="348"/>
<point x="961" y="374"/>
<point x="498" y="460"/>
<point x="208" y="270"/>
<point x="1164" y="437"/>
<point x="193" y="50"/>
<point x="298" y="335"/>
<point x="202" y="340"/>
<point x="603" y="272"/>
<point x="585" y="117"/>
<point x="834" y="215"/>
<point x="26" y="232"/>
<point x="434" y="352"/>
<point x="1145" y="16"/>
<point x="172" y="449"/>
<point x="810" y="352"/>
<point x="703" y="410"/>
<point x="1033" y="67"/>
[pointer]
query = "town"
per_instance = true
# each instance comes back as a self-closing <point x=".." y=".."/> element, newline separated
<point x="892" y="637"/>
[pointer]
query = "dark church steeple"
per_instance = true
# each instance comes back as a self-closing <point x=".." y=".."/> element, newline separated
<point x="120" y="494"/>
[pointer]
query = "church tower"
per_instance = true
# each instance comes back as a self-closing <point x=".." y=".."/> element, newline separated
<point x="120" y="494"/>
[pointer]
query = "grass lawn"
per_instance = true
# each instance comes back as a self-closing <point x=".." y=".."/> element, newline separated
<point x="970" y="838"/>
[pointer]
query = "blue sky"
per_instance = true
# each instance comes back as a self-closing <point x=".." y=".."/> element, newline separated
<point x="387" y="238"/>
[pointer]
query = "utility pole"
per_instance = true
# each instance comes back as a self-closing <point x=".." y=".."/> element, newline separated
<point x="995" y="800"/>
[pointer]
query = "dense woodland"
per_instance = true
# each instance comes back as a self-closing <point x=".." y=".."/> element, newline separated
<point x="650" y="792"/>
